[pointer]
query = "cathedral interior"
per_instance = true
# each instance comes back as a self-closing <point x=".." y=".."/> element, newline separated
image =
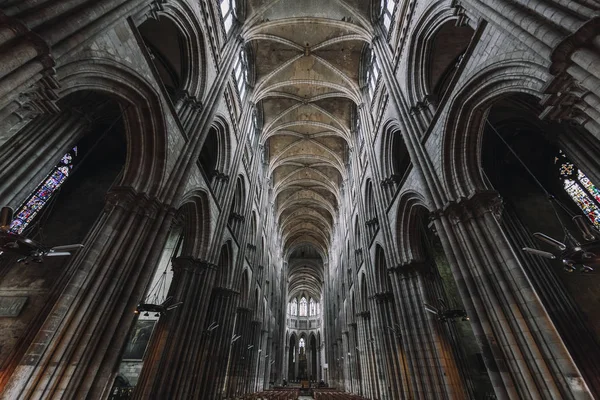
<point x="292" y="199"/>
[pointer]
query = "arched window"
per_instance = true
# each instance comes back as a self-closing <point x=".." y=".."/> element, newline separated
<point x="228" y="13"/>
<point x="373" y="73"/>
<point x="301" y="343"/>
<point x="59" y="174"/>
<point x="583" y="192"/>
<point x="294" y="307"/>
<point x="312" y="307"/>
<point x="303" y="307"/>
<point x="241" y="73"/>
<point x="387" y="13"/>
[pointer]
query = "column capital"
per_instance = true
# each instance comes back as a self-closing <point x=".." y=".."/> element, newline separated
<point x="225" y="292"/>
<point x="187" y="263"/>
<point x="127" y="198"/>
<point x="476" y="204"/>
<point x="364" y="314"/>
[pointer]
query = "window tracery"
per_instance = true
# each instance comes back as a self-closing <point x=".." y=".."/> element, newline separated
<point x="240" y="72"/>
<point x="42" y="195"/>
<point x="373" y="72"/>
<point x="579" y="187"/>
<point x="387" y="13"/>
<point x="303" y="307"/>
<point x="228" y="11"/>
<point x="294" y="307"/>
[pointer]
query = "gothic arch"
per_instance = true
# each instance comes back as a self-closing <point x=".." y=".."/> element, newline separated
<point x="381" y="271"/>
<point x="431" y="53"/>
<point x="194" y="62"/>
<point x="215" y="154"/>
<point x="143" y="117"/>
<point x="461" y="141"/>
<point x="395" y="159"/>
<point x="411" y="207"/>
<point x="225" y="265"/>
<point x="195" y="211"/>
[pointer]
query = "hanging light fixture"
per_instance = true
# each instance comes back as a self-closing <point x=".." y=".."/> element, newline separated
<point x="575" y="256"/>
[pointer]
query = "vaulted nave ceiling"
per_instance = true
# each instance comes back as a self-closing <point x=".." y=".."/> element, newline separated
<point x="306" y="57"/>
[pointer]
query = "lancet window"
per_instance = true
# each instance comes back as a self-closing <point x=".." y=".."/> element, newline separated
<point x="387" y="13"/>
<point x="294" y="307"/>
<point x="579" y="187"/>
<point x="303" y="307"/>
<point x="43" y="194"/>
<point x="228" y="13"/>
<point x="241" y="74"/>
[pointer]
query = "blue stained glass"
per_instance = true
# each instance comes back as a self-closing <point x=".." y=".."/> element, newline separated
<point x="47" y="188"/>
<point x="66" y="159"/>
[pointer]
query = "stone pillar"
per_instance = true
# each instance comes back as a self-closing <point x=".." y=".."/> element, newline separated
<point x="354" y="358"/>
<point x="215" y="347"/>
<point x="255" y="357"/>
<point x="172" y="359"/>
<point x="260" y="375"/>
<point x="393" y="355"/>
<point x="78" y="345"/>
<point x="522" y="349"/>
<point x="430" y="358"/>
<point x="286" y="362"/>
<point x="366" y="359"/>
<point x="28" y="157"/>
<point x="268" y="362"/>
<point x="347" y="378"/>
<point x="239" y="354"/>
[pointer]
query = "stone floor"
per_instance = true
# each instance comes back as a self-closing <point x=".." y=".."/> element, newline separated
<point x="305" y="398"/>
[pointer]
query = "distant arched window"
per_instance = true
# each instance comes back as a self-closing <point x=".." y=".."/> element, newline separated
<point x="387" y="13"/>
<point x="53" y="181"/>
<point x="301" y="343"/>
<point x="583" y="192"/>
<point x="294" y="307"/>
<point x="241" y="73"/>
<point x="303" y="307"/>
<point x="228" y="13"/>
<point x="312" y="307"/>
<point x="373" y="73"/>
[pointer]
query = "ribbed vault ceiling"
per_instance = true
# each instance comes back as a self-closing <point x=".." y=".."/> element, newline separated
<point x="306" y="57"/>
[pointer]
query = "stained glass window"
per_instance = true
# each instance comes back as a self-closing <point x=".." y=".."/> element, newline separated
<point x="294" y="307"/>
<point x="372" y="74"/>
<point x="27" y="212"/>
<point x="312" y="307"/>
<point x="387" y="13"/>
<point x="227" y="12"/>
<point x="303" y="307"/>
<point x="301" y="343"/>
<point x="240" y="72"/>
<point x="583" y="192"/>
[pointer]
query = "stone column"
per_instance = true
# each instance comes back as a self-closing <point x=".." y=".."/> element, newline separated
<point x="355" y="361"/>
<point x="347" y="378"/>
<point x="77" y="347"/>
<point x="214" y="348"/>
<point x="366" y="361"/>
<point x="286" y="362"/>
<point x="392" y="354"/>
<point x="433" y="369"/>
<point x="522" y="349"/>
<point x="28" y="157"/>
<point x="239" y="354"/>
<point x="172" y="359"/>
<point x="255" y="356"/>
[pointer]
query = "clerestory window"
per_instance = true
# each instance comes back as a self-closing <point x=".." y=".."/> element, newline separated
<point x="228" y="13"/>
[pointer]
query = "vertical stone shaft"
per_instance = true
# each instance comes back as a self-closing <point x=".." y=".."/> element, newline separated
<point x="29" y="155"/>
<point x="75" y="350"/>
<point x="215" y="347"/>
<point x="170" y="366"/>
